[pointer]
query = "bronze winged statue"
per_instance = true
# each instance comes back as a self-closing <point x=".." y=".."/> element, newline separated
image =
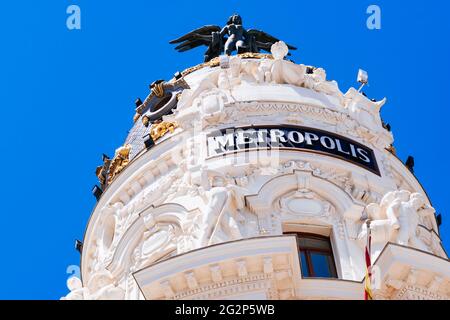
<point x="232" y="37"/>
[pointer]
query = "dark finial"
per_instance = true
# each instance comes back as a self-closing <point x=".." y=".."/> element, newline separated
<point x="138" y="102"/>
<point x="148" y="142"/>
<point x="439" y="220"/>
<point x="79" y="246"/>
<point x="309" y="70"/>
<point x="410" y="164"/>
<point x="154" y="83"/>
<point x="177" y="75"/>
<point x="387" y="126"/>
<point x="97" y="192"/>
<point x="105" y="158"/>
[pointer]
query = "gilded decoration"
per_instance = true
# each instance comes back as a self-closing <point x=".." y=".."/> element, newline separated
<point x="158" y="130"/>
<point x="119" y="162"/>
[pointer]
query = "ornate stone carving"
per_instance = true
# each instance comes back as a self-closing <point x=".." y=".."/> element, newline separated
<point x="409" y="292"/>
<point x="77" y="291"/>
<point x="221" y="219"/>
<point x="414" y="284"/>
<point x="396" y="219"/>
<point x="101" y="286"/>
<point x="340" y="178"/>
<point x="282" y="71"/>
<point x="191" y="280"/>
<point x="159" y="241"/>
<point x="229" y="287"/>
<point x="178" y="197"/>
<point x="351" y="114"/>
<point x="305" y="204"/>
<point x="311" y="114"/>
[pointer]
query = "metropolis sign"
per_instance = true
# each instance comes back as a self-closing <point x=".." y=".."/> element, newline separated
<point x="288" y="137"/>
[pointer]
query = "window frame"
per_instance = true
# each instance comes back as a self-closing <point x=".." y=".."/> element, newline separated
<point x="307" y="253"/>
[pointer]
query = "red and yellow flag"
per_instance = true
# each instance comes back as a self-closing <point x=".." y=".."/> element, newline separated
<point x="368" y="280"/>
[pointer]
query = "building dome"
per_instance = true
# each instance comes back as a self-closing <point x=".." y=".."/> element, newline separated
<point x="252" y="177"/>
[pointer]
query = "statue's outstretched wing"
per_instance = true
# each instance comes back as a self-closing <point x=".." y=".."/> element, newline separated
<point x="263" y="40"/>
<point x="195" y="38"/>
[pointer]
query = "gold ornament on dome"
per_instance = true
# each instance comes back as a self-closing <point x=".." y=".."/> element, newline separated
<point x="158" y="130"/>
<point x="158" y="89"/>
<point x="119" y="162"/>
<point x="253" y="55"/>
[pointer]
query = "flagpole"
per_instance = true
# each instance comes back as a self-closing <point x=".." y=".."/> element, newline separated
<point x="368" y="251"/>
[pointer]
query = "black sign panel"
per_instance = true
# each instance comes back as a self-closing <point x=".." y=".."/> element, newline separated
<point x="290" y="137"/>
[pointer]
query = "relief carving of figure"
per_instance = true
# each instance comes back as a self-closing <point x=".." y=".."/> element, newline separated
<point x="228" y="78"/>
<point x="397" y="218"/>
<point x="220" y="221"/>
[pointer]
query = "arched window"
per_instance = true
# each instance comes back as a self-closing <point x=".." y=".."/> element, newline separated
<point x="316" y="256"/>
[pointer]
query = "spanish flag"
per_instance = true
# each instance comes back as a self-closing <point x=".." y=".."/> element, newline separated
<point x="368" y="280"/>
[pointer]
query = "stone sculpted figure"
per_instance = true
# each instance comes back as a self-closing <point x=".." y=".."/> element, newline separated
<point x="220" y="218"/>
<point x="232" y="37"/>
<point x="77" y="291"/>
<point x="282" y="71"/>
<point x="409" y="215"/>
<point x="103" y="286"/>
<point x="397" y="218"/>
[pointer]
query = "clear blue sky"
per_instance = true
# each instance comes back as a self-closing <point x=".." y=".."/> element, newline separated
<point x="67" y="96"/>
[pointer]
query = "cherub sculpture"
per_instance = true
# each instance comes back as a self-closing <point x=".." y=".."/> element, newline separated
<point x="397" y="218"/>
<point x="232" y="37"/>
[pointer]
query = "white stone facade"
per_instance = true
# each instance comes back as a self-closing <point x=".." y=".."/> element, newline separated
<point x="178" y="223"/>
